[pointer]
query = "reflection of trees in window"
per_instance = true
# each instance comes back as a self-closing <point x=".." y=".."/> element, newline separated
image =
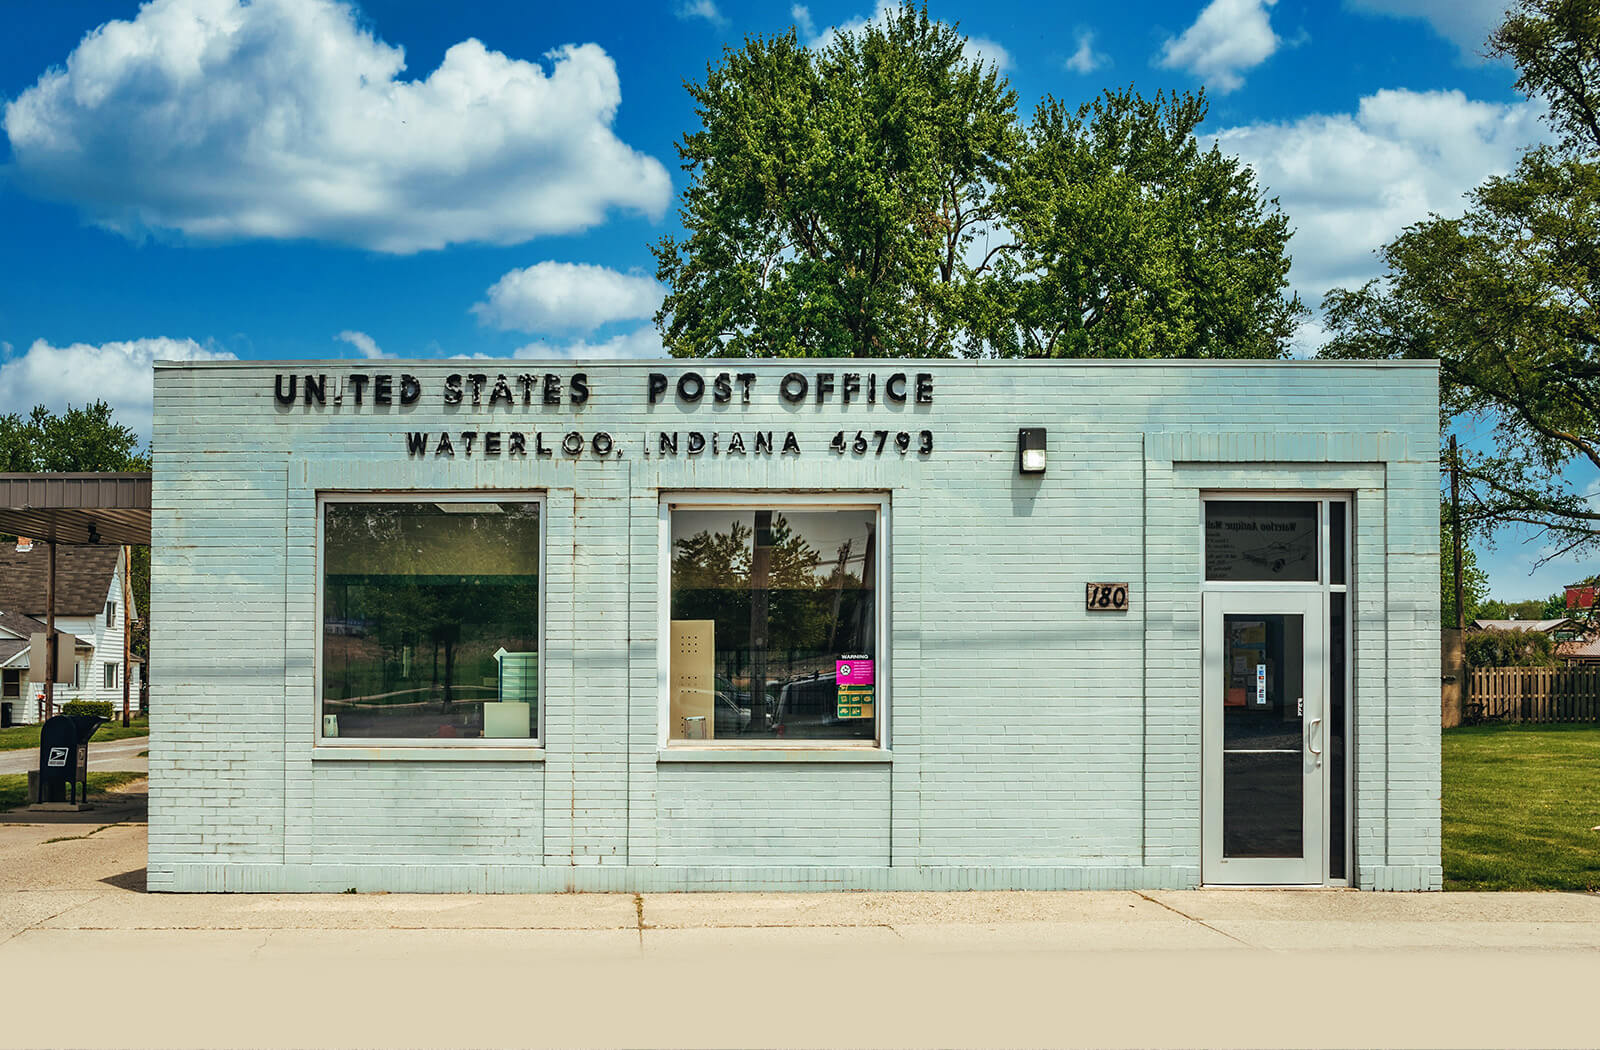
<point x="783" y="610"/>
<point x="413" y="594"/>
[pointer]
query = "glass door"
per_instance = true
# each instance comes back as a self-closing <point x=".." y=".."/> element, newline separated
<point x="1264" y="733"/>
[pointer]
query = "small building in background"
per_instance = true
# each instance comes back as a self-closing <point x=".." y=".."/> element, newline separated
<point x="1560" y="630"/>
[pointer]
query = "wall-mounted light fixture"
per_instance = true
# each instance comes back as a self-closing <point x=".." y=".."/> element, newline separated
<point x="1030" y="450"/>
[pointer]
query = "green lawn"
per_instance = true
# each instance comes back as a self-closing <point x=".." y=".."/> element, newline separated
<point x="14" y="786"/>
<point x="18" y="737"/>
<point x="1520" y="806"/>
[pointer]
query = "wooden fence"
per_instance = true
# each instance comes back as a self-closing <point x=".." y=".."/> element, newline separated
<point x="1534" y="694"/>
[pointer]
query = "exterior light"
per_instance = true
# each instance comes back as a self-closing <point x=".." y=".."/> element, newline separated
<point x="1030" y="450"/>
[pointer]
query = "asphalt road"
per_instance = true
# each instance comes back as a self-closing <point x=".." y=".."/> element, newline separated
<point x="106" y="756"/>
<point x="1210" y="968"/>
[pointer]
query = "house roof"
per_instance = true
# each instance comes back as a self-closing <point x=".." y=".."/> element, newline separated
<point x="1578" y="650"/>
<point x="22" y="626"/>
<point x="1541" y="626"/>
<point x="83" y="579"/>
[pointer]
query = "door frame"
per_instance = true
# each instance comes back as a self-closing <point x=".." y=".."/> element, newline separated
<point x="1309" y="869"/>
<point x="1330" y="569"/>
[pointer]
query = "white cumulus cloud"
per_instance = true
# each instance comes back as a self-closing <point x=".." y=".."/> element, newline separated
<point x="976" y="49"/>
<point x="286" y="119"/>
<point x="705" y="9"/>
<point x="1086" y="59"/>
<point x="573" y="296"/>
<point x="803" y="24"/>
<point x="641" y="342"/>
<point x="1229" y="37"/>
<point x="118" y="373"/>
<point x="1351" y="182"/>
<point x="365" y="345"/>
<point x="1465" y="23"/>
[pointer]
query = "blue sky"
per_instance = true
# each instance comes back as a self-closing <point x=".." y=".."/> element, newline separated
<point x="314" y="178"/>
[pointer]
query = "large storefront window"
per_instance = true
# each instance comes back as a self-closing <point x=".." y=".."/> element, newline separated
<point x="430" y="620"/>
<point x="774" y="624"/>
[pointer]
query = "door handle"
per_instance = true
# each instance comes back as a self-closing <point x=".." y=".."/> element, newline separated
<point x="1311" y="728"/>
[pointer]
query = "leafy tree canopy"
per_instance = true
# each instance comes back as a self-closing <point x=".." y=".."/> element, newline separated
<point x="880" y="197"/>
<point x="1510" y="649"/>
<point x="1507" y="296"/>
<point x="79" y="439"/>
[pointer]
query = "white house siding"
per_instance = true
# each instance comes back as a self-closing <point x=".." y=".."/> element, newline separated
<point x="1032" y="744"/>
<point x="107" y="646"/>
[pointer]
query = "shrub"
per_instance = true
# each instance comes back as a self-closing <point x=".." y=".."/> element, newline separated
<point x="99" y="708"/>
<point x="1510" y="649"/>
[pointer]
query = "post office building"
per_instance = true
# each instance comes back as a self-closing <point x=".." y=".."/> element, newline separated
<point x="494" y="625"/>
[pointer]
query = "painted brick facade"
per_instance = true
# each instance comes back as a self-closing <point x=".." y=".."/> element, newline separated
<point x="1032" y="745"/>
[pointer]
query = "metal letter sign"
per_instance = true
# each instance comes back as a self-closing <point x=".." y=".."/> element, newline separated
<point x="1107" y="597"/>
<point x="58" y="756"/>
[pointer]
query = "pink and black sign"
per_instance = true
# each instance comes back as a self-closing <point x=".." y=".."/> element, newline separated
<point x="851" y="671"/>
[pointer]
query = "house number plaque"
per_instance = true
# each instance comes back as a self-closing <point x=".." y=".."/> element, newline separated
<point x="1107" y="597"/>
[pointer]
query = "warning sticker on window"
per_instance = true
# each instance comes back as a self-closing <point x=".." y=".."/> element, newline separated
<point x="853" y="670"/>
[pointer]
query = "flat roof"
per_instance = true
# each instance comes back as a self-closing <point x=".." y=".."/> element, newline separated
<point x="77" y="508"/>
<point x="801" y="364"/>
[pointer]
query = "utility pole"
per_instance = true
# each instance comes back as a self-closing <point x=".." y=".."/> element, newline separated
<point x="1455" y="527"/>
<point x="127" y="627"/>
<point x="50" y="658"/>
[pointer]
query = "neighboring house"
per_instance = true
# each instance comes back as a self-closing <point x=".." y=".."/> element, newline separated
<point x="90" y="606"/>
<point x="1579" y="653"/>
<point x="1562" y="630"/>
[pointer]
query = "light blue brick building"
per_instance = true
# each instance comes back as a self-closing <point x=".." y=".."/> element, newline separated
<point x="518" y="625"/>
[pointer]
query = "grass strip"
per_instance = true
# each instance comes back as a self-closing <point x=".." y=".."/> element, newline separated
<point x="18" y="737"/>
<point x="14" y="786"/>
<point x="1521" y="803"/>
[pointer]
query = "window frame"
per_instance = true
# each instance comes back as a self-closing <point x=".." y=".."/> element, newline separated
<point x="111" y="614"/>
<point x="439" y="745"/>
<point x="775" y="499"/>
<point x="108" y="674"/>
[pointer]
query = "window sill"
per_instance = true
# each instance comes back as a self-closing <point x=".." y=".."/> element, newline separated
<point x="390" y="753"/>
<point x="775" y="754"/>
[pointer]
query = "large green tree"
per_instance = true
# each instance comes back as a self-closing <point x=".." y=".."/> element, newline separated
<point x="878" y="196"/>
<point x="78" y="439"/>
<point x="1507" y="296"/>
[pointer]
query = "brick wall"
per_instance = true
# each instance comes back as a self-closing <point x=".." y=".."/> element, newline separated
<point x="1032" y="744"/>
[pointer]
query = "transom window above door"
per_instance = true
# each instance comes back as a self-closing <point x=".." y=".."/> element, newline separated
<point x="1275" y="541"/>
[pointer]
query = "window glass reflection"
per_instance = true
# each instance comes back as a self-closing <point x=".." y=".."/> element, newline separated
<point x="774" y="624"/>
<point x="430" y="620"/>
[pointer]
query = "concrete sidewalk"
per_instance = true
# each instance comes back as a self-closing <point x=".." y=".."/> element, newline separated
<point x="1289" y="968"/>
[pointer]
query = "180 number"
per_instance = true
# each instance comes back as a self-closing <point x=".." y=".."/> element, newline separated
<point x="878" y="440"/>
<point x="1106" y="597"/>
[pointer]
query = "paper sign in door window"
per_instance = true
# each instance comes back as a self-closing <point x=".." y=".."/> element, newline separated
<point x="854" y="672"/>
